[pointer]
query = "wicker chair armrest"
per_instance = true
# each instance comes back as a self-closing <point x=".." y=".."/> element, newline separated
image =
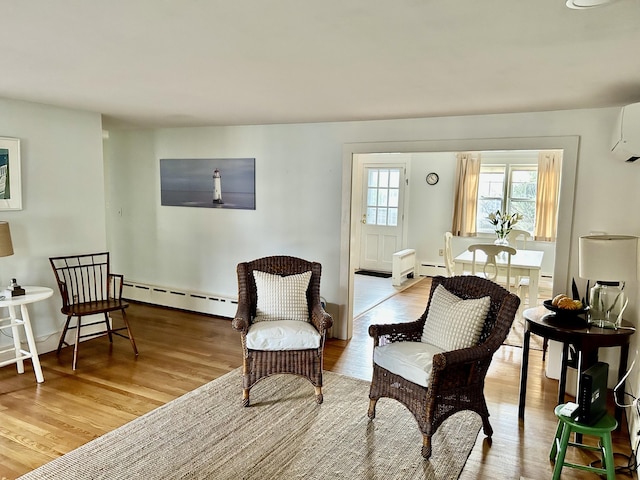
<point x="463" y="356"/>
<point x="396" y="332"/>
<point x="240" y="324"/>
<point x="320" y="318"/>
<point x="242" y="320"/>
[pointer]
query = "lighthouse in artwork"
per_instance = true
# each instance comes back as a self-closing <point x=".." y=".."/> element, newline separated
<point x="217" y="187"/>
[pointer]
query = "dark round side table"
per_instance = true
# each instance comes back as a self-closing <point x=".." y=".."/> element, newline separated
<point x="585" y="338"/>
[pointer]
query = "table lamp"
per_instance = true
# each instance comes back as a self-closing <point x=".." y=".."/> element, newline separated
<point x="611" y="260"/>
<point x="6" y="246"/>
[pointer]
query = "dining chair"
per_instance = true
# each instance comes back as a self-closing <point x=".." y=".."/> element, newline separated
<point x="490" y="269"/>
<point x="448" y="255"/>
<point x="518" y="239"/>
<point x="88" y="288"/>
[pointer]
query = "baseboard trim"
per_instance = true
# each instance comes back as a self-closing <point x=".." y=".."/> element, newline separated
<point x="200" y="302"/>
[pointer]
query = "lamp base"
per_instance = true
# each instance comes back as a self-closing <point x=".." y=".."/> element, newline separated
<point x="607" y="300"/>
<point x="603" y="324"/>
<point x="14" y="292"/>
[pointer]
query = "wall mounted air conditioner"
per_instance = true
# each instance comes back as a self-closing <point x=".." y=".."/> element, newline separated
<point x="626" y="135"/>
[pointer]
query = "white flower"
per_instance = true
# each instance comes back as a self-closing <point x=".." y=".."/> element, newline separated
<point x="504" y="222"/>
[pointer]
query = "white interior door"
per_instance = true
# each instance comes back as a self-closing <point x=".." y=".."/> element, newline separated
<point x="381" y="216"/>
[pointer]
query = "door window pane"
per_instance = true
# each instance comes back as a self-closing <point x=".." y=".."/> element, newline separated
<point x="384" y="179"/>
<point x="394" y="178"/>
<point x="371" y="216"/>
<point x="373" y="178"/>
<point x="382" y="197"/>
<point x="382" y="216"/>
<point x="392" y="218"/>
<point x="383" y="192"/>
<point x="372" y="197"/>
<point x="393" y="197"/>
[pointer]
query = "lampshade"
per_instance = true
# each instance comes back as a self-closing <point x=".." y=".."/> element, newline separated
<point x="610" y="258"/>
<point x="586" y="4"/>
<point x="6" y="246"/>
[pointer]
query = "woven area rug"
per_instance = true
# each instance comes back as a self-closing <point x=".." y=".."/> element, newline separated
<point x="207" y="434"/>
<point x="516" y="334"/>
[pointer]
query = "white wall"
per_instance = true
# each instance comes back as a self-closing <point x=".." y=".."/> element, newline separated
<point x="430" y="206"/>
<point x="62" y="200"/>
<point x="199" y="248"/>
<point x="299" y="183"/>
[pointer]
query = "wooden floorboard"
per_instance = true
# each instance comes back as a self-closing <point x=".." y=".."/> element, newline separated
<point x="180" y="351"/>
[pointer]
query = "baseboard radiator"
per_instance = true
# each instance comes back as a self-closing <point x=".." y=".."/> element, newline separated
<point x="182" y="299"/>
<point x="403" y="264"/>
<point x="432" y="270"/>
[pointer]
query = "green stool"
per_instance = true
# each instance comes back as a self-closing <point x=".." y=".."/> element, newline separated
<point x="601" y="429"/>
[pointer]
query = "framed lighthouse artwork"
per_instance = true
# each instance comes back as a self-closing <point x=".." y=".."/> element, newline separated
<point x="208" y="182"/>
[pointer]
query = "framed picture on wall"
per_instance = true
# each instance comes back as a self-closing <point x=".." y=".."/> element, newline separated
<point x="208" y="182"/>
<point x="10" y="182"/>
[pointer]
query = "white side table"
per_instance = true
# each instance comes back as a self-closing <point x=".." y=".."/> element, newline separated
<point x="32" y="294"/>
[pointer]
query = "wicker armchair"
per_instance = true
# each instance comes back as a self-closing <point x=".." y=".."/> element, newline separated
<point x="457" y="377"/>
<point x="260" y="363"/>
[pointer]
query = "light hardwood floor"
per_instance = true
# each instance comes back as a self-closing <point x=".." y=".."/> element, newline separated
<point x="180" y="351"/>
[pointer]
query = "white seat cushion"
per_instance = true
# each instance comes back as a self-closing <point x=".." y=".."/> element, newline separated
<point x="411" y="360"/>
<point x="281" y="298"/>
<point x="282" y="335"/>
<point x="453" y="323"/>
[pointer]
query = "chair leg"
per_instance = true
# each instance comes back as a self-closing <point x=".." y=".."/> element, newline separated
<point x="245" y="397"/>
<point x="319" y="397"/>
<point x="108" y="324"/>
<point x="126" y="323"/>
<point x="64" y="334"/>
<point x="554" y="448"/>
<point x="607" y="456"/>
<point x="562" y="452"/>
<point x="486" y="426"/>
<point x="77" y="344"/>
<point x="372" y="408"/>
<point x="426" y="446"/>
<point x="483" y="411"/>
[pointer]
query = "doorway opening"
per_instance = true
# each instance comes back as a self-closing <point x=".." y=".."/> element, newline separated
<point x="422" y="158"/>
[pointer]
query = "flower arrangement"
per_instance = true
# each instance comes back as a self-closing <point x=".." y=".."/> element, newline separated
<point x="503" y="222"/>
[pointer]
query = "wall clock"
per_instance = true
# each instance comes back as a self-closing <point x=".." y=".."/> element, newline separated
<point x="432" y="178"/>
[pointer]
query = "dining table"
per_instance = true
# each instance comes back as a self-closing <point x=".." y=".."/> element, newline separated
<point x="525" y="263"/>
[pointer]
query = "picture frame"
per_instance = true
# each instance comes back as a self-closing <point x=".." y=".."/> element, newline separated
<point x="10" y="174"/>
<point x="208" y="183"/>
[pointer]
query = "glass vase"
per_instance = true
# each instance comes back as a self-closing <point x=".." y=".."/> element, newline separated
<point x="501" y="241"/>
<point x="605" y="303"/>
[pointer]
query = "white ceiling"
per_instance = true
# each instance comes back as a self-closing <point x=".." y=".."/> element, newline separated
<point x="231" y="62"/>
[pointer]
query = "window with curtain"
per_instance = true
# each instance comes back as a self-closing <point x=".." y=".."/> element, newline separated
<point x="510" y="188"/>
<point x="549" y="171"/>
<point x="525" y="182"/>
<point x="466" y="194"/>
